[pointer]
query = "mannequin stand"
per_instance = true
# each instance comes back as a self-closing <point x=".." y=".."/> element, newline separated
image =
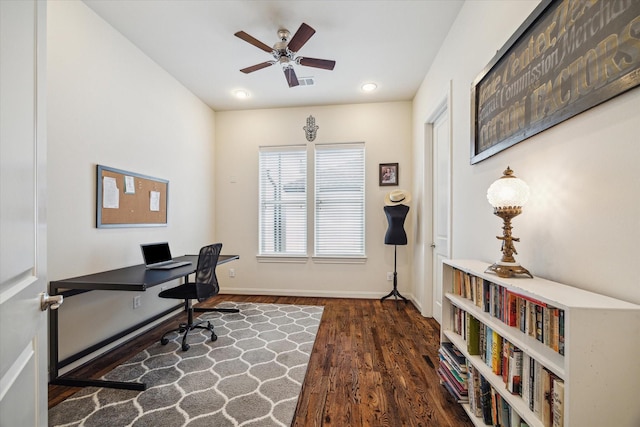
<point x="394" y="292"/>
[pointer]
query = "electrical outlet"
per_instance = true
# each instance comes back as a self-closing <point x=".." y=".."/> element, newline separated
<point x="137" y="302"/>
<point x="389" y="275"/>
<point x="232" y="272"/>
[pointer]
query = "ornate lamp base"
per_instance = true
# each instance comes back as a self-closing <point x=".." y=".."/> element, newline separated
<point x="507" y="266"/>
<point x="503" y="269"/>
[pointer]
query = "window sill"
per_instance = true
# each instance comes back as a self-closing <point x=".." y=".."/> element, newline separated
<point x="292" y="259"/>
<point x="302" y="259"/>
<point x="339" y="259"/>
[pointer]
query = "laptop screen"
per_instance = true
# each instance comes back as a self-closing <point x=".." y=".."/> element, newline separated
<point x="154" y="253"/>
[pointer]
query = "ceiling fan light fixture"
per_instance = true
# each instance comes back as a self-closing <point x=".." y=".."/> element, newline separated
<point x="369" y="87"/>
<point x="285" y="51"/>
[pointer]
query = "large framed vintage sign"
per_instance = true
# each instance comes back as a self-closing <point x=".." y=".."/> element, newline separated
<point x="568" y="56"/>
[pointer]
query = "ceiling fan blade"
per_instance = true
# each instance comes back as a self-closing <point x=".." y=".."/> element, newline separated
<point x="301" y="36"/>
<point x="252" y="40"/>
<point x="257" y="67"/>
<point x="291" y="77"/>
<point x="325" y="64"/>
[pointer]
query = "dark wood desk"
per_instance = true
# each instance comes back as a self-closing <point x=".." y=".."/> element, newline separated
<point x="134" y="278"/>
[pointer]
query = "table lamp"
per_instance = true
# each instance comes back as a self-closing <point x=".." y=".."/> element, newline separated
<point x="507" y="195"/>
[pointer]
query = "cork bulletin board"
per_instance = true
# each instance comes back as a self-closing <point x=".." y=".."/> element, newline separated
<point x="129" y="199"/>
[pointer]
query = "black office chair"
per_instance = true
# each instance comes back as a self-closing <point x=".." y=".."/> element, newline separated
<point x="204" y="287"/>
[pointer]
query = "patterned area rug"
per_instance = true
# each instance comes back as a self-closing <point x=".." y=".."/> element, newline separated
<point x="251" y="376"/>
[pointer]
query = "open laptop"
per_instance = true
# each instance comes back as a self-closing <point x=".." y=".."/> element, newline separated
<point x="157" y="256"/>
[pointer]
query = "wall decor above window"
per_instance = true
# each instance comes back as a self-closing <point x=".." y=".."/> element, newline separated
<point x="566" y="58"/>
<point x="311" y="129"/>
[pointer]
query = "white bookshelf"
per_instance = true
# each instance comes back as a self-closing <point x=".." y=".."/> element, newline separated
<point x="601" y="362"/>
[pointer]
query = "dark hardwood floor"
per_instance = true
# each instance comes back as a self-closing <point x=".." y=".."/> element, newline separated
<point x="373" y="364"/>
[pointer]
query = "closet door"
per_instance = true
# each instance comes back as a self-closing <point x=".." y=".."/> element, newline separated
<point x="441" y="215"/>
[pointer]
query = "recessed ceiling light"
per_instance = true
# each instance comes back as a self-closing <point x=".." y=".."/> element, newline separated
<point x="241" y="94"/>
<point x="368" y="87"/>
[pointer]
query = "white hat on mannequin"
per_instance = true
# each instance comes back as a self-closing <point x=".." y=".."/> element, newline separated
<point x="397" y="197"/>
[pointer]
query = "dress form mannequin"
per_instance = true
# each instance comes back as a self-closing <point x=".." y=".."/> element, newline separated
<point x="395" y="217"/>
<point x="396" y="212"/>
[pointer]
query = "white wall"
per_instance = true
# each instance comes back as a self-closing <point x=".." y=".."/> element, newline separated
<point x="582" y="223"/>
<point x="385" y="128"/>
<point x="110" y="104"/>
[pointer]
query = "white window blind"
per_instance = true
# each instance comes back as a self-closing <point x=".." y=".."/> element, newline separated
<point x="283" y="200"/>
<point x="339" y="200"/>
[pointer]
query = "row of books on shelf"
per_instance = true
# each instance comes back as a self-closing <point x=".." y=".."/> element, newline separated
<point x="487" y="403"/>
<point x="453" y="371"/>
<point x="533" y="317"/>
<point x="540" y="389"/>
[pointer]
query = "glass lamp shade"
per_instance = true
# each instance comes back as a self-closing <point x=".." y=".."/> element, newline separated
<point x="508" y="191"/>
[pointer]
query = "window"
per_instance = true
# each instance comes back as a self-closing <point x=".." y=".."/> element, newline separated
<point x="339" y="200"/>
<point x="283" y="201"/>
<point x="338" y="195"/>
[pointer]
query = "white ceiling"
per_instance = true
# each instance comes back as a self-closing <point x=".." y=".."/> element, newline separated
<point x="391" y="43"/>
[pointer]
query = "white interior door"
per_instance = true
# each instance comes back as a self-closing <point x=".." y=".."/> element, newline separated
<point x="23" y="326"/>
<point x="441" y="191"/>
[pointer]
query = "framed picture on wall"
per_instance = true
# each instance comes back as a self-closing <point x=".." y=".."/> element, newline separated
<point x="388" y="174"/>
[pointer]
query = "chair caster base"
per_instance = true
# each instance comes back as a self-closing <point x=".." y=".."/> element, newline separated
<point x="184" y="330"/>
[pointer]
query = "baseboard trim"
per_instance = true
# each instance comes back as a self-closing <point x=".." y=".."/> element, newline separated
<point x="309" y="293"/>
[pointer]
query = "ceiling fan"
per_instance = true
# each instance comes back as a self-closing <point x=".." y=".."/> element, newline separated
<point x="284" y="53"/>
